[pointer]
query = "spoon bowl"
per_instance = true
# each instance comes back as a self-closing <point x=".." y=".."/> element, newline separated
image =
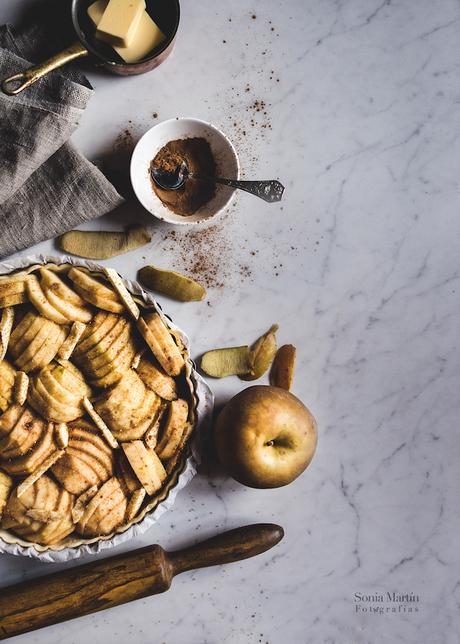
<point x="170" y="180"/>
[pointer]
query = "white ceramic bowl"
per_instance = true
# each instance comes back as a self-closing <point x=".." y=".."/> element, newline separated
<point x="227" y="165"/>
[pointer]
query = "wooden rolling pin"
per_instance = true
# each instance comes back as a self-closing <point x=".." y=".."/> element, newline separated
<point x="117" y="580"/>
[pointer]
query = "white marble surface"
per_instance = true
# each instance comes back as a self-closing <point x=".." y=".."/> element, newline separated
<point x="361" y="270"/>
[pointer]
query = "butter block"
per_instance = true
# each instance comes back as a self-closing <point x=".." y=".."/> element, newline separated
<point x="96" y="11"/>
<point x="120" y="21"/>
<point x="148" y="35"/>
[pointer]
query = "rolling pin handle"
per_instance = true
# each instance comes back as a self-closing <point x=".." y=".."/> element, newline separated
<point x="234" y="545"/>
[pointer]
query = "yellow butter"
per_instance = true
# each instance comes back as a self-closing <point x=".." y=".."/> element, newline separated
<point x="120" y="21"/>
<point x="147" y="37"/>
<point x="96" y="10"/>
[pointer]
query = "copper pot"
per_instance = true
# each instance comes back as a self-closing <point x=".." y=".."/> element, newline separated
<point x="166" y="14"/>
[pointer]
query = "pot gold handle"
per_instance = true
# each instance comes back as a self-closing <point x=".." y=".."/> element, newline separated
<point x="28" y="77"/>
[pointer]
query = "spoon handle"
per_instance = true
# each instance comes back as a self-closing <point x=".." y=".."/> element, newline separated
<point x="270" y="191"/>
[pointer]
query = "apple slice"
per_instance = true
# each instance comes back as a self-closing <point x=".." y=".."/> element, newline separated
<point x="48" y="406"/>
<point x="160" y="341"/>
<point x="36" y="474"/>
<point x="63" y="298"/>
<point x="51" y="281"/>
<point x="100" y="424"/>
<point x="126" y="475"/>
<point x="7" y="378"/>
<point x="61" y="435"/>
<point x="156" y="379"/>
<point x="45" y="354"/>
<point x="174" y="428"/>
<point x="21" y="387"/>
<point x="93" y="285"/>
<point x="123" y="293"/>
<point x="47" y="496"/>
<point x="151" y="435"/>
<point x="10" y="284"/>
<point x="44" y="516"/>
<point x="120" y="332"/>
<point x="117" y="355"/>
<point x="20" y="429"/>
<point x="13" y="289"/>
<point x="181" y="452"/>
<point x="6" y="485"/>
<point x="79" y="508"/>
<point x="112" y="306"/>
<point x="8" y="420"/>
<point x="24" y="332"/>
<point x="101" y="324"/>
<point x="27" y="464"/>
<point x="116" y="370"/>
<point x="67" y="309"/>
<point x="146" y="465"/>
<point x="105" y="512"/>
<point x="30" y="352"/>
<point x="129" y="407"/>
<point x="70" y="378"/>
<point x="6" y="324"/>
<point x="135" y="504"/>
<point x="68" y="346"/>
<point x="53" y="387"/>
<point x="95" y="292"/>
<point x="13" y="300"/>
<point x="38" y="299"/>
<point x="88" y="460"/>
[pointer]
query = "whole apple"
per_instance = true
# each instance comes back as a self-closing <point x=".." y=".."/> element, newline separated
<point x="265" y="437"/>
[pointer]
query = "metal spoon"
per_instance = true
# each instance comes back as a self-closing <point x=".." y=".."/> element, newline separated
<point x="270" y="191"/>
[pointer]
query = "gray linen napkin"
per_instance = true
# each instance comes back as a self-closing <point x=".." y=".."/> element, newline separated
<point x="46" y="186"/>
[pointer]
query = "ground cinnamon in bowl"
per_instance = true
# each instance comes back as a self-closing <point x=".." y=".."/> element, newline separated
<point x="196" y="152"/>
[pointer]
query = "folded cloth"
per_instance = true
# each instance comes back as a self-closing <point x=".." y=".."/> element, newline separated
<point x="46" y="186"/>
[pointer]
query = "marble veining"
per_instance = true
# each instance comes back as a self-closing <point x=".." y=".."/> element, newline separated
<point x="353" y="104"/>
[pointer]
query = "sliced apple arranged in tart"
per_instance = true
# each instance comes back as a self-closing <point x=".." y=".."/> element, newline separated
<point x="88" y="460"/>
<point x="156" y="379"/>
<point x="106" y="349"/>
<point x="55" y="300"/>
<point x="95" y="292"/>
<point x="43" y="514"/>
<point x="35" y="341"/>
<point x="13" y="289"/>
<point x="14" y="460"/>
<point x="57" y="392"/>
<point x="20" y="431"/>
<point x="129" y="408"/>
<point x="105" y="512"/>
<point x="95" y="406"/>
<point x="7" y="378"/>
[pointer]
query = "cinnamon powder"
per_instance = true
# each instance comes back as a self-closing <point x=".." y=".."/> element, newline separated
<point x="194" y="194"/>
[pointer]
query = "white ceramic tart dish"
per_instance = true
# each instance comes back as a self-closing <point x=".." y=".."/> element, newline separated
<point x="101" y="409"/>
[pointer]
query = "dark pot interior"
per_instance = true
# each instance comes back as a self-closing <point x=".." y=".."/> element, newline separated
<point x="166" y="14"/>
